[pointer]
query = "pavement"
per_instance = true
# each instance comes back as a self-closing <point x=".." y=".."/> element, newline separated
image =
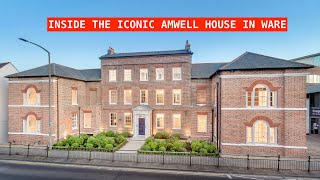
<point x="313" y="144"/>
<point x="131" y="146"/>
<point x="16" y="167"/>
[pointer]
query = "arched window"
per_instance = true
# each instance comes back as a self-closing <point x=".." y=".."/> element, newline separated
<point x="31" y="97"/>
<point x="31" y="124"/>
<point x="261" y="133"/>
<point x="261" y="96"/>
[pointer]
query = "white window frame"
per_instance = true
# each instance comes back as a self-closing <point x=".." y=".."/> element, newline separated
<point x="74" y="119"/>
<point x="268" y="134"/>
<point x="116" y="120"/>
<point x="158" y="91"/>
<point x="126" y="120"/>
<point x="84" y="120"/>
<point x="162" y="71"/>
<point x="251" y="104"/>
<point x="173" y="72"/>
<point x="127" y="76"/>
<point x="124" y="96"/>
<point x="74" y="98"/>
<point x="173" y="116"/>
<point x="25" y="126"/>
<point x="110" y="99"/>
<point x="173" y="93"/>
<point x="157" y="116"/>
<point x="146" y="74"/>
<point x="206" y="123"/>
<point x="26" y="99"/>
<point x="112" y="75"/>
<point x="312" y="78"/>
<point x="146" y="93"/>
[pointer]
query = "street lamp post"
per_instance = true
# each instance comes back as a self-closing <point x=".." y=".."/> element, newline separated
<point x="49" y="71"/>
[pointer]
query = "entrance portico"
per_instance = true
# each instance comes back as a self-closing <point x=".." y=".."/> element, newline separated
<point x="142" y="121"/>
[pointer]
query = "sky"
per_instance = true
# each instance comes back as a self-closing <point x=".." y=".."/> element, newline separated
<point x="81" y="50"/>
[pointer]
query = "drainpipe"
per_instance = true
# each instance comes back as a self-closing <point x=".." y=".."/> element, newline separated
<point x="79" y="120"/>
<point x="58" y="131"/>
<point x="219" y="109"/>
<point x="217" y="113"/>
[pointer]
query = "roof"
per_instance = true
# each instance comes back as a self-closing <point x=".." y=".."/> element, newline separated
<point x="205" y="70"/>
<point x="313" y="88"/>
<point x="3" y="64"/>
<point x="149" y="53"/>
<point x="304" y="57"/>
<point x="61" y="71"/>
<point x="250" y="61"/>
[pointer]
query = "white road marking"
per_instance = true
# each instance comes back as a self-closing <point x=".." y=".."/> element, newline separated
<point x="229" y="176"/>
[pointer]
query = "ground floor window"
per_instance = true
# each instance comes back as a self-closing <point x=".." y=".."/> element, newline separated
<point x="261" y="132"/>
<point x="160" y="121"/>
<point x="74" y="120"/>
<point x="31" y="125"/>
<point x="127" y="119"/>
<point x="113" y="119"/>
<point x="176" y="121"/>
<point x="202" y="123"/>
<point x="87" y="120"/>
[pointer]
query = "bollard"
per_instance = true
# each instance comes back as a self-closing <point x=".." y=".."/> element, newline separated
<point x="137" y="157"/>
<point x="68" y="152"/>
<point x="278" y="162"/>
<point x="248" y="161"/>
<point x="90" y="155"/>
<point x="190" y="159"/>
<point x="9" y="148"/>
<point x="28" y="150"/>
<point x="47" y="151"/>
<point x="162" y="157"/>
<point x="218" y="160"/>
<point x="309" y="161"/>
<point x="112" y="156"/>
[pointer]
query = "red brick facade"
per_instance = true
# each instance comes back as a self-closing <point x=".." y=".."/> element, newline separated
<point x="198" y="97"/>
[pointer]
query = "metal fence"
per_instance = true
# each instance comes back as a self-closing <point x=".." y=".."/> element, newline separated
<point x="279" y="163"/>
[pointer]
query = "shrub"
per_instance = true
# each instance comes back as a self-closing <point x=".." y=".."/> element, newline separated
<point x="149" y="139"/>
<point x="170" y="146"/>
<point x="116" y="134"/>
<point x="109" y="147"/>
<point x="176" y="135"/>
<point x="182" y="149"/>
<point x="92" y="140"/>
<point x="110" y="133"/>
<point x="84" y="137"/>
<point x="100" y="141"/>
<point x="162" y="148"/>
<point x="75" y="145"/>
<point x="158" y="135"/>
<point x="109" y="140"/>
<point x="60" y="143"/>
<point x="196" y="146"/>
<point x="89" y="145"/>
<point x="165" y="135"/>
<point x="153" y="145"/>
<point x="162" y="144"/>
<point x="177" y="145"/>
<point x="146" y="148"/>
<point x="101" y="135"/>
<point x="203" y="151"/>
<point x="126" y="134"/>
<point x="73" y="139"/>
<point x="120" y="139"/>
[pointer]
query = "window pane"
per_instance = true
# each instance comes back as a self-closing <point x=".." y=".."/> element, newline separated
<point x="32" y="126"/>
<point x="113" y="119"/>
<point x="32" y="96"/>
<point x="260" y="132"/>
<point x="176" y="96"/>
<point x="144" y="96"/>
<point x="143" y="74"/>
<point x="249" y="135"/>
<point x="160" y="120"/>
<point x="160" y="96"/>
<point x="87" y="120"/>
<point x="260" y="97"/>
<point x="127" y="75"/>
<point x="113" y="96"/>
<point x="272" y="98"/>
<point x="74" y="120"/>
<point x="176" y="121"/>
<point x="74" y="97"/>
<point x="112" y="75"/>
<point x="127" y="97"/>
<point x="159" y="73"/>
<point x="128" y="120"/>
<point x="176" y="73"/>
<point x="249" y="98"/>
<point x="202" y="123"/>
<point x="272" y="135"/>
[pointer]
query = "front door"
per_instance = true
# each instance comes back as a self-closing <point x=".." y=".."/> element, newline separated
<point x="142" y="126"/>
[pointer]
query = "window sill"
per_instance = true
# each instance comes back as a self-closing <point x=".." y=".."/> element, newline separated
<point x="202" y="131"/>
<point x="159" y="127"/>
<point x="113" y="126"/>
<point x="127" y="126"/>
<point x="143" y="103"/>
<point x="159" y="104"/>
<point x="176" y="104"/>
<point x="176" y="128"/>
<point x="86" y="127"/>
<point x="74" y="128"/>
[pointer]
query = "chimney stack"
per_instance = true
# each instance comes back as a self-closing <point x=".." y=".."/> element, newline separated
<point x="187" y="46"/>
<point x="111" y="51"/>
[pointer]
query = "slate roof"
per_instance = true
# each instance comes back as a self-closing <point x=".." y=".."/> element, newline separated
<point x="308" y="56"/>
<point x="61" y="71"/>
<point x="313" y="88"/>
<point x="249" y="61"/>
<point x="205" y="70"/>
<point x="3" y="64"/>
<point x="149" y="53"/>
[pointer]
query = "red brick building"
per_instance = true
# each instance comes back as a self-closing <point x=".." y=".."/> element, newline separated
<point x="254" y="104"/>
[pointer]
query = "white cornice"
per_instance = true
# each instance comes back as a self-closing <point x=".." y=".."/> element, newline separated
<point x="263" y="75"/>
<point x="41" y="106"/>
<point x="266" y="145"/>
<point x="32" y="81"/>
<point x="265" y="109"/>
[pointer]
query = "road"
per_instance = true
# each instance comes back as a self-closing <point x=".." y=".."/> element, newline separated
<point x="16" y="170"/>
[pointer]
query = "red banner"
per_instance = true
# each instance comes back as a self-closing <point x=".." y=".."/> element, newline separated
<point x="170" y="24"/>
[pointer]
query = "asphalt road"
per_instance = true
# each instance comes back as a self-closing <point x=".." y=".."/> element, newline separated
<point x="21" y="170"/>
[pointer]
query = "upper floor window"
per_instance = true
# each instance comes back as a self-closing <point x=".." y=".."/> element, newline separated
<point x="112" y="96"/>
<point x="313" y="79"/>
<point x="127" y="75"/>
<point x="87" y="120"/>
<point x="261" y="132"/>
<point x="31" y="124"/>
<point x="127" y="120"/>
<point x="127" y="96"/>
<point x="113" y="119"/>
<point x="261" y="96"/>
<point x="159" y="73"/>
<point x="144" y="96"/>
<point x="176" y="73"/>
<point x="176" y="94"/>
<point x="160" y="97"/>
<point x="74" y="120"/>
<point x="143" y="74"/>
<point x="74" y="96"/>
<point x="31" y="97"/>
<point x="112" y="75"/>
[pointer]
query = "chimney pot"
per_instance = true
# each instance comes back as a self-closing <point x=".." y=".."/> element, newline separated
<point x="110" y="51"/>
<point x="187" y="46"/>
